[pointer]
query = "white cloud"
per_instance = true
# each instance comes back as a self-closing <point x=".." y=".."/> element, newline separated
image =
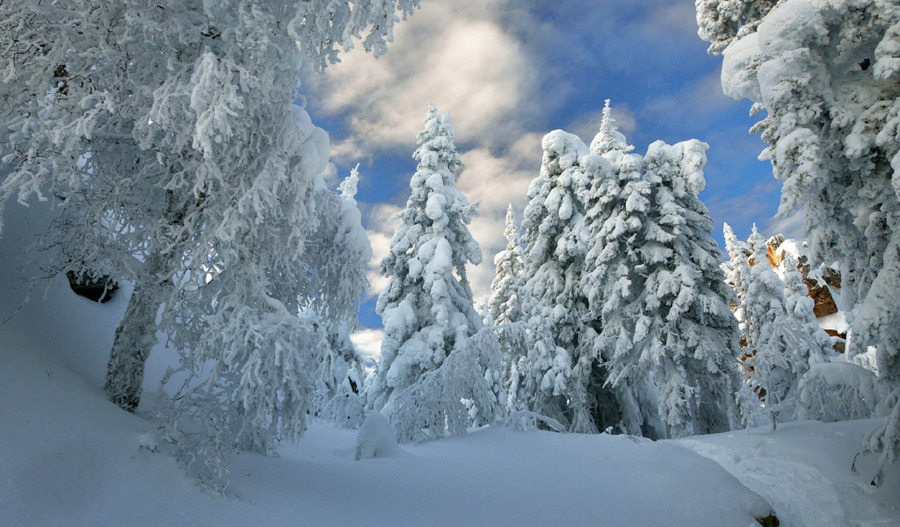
<point x="679" y="18"/>
<point x="496" y="181"/>
<point x="456" y="55"/>
<point x="368" y="344"/>
<point x="450" y="54"/>
<point x="790" y="226"/>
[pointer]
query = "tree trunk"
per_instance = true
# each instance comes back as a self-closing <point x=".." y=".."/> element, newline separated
<point x="136" y="334"/>
<point x="135" y="337"/>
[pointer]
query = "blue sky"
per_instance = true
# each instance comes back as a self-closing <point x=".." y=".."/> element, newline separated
<point x="509" y="71"/>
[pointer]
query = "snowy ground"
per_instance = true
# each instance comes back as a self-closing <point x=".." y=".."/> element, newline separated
<point x="70" y="458"/>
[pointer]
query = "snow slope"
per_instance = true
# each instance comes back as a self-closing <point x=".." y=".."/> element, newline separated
<point x="68" y="457"/>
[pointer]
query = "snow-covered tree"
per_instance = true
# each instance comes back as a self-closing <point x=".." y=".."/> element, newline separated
<point x="815" y="345"/>
<point x="685" y="330"/>
<point x="454" y="396"/>
<point x="826" y="74"/>
<point x="504" y="312"/>
<point x="427" y="306"/>
<point x="667" y="338"/>
<point x="788" y="341"/>
<point x="560" y="361"/>
<point x="765" y="291"/>
<point x="170" y="129"/>
<point x="503" y="301"/>
<point x="338" y="254"/>
<point x="767" y="363"/>
<point x="617" y="207"/>
<point x="737" y="270"/>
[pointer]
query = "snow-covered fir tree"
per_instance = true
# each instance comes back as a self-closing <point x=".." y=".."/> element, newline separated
<point x="560" y="361"/>
<point x="503" y="301"/>
<point x="686" y="329"/>
<point x="427" y="306"/>
<point x="505" y="315"/>
<point x="617" y="207"/>
<point x="786" y="339"/>
<point x="765" y="291"/>
<point x="766" y="360"/>
<point x="814" y="345"/>
<point x="826" y="75"/>
<point x="737" y="271"/>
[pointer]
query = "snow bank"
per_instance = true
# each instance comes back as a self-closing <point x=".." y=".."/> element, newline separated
<point x="376" y="438"/>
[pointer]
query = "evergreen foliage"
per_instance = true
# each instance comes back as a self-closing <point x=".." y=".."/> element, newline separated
<point x="427" y="306"/>
<point x="560" y="360"/>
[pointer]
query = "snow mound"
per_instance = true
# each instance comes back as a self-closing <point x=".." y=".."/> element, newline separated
<point x="376" y="438"/>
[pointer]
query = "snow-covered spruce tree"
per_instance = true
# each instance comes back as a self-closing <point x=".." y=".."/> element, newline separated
<point x="561" y="359"/>
<point x="814" y="345"/>
<point x="826" y="74"/>
<point x="685" y="331"/>
<point x="767" y="363"/>
<point x="786" y="340"/>
<point x="427" y="306"/>
<point x="503" y="301"/>
<point x="617" y="206"/>
<point x="765" y="291"/>
<point x="737" y="272"/>
<point x="505" y="315"/>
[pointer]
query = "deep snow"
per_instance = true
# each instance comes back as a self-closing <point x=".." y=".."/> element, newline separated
<point x="70" y="458"/>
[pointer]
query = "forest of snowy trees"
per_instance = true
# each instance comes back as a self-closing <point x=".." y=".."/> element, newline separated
<point x="195" y="174"/>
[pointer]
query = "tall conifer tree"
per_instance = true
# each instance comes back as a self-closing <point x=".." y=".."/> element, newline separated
<point x="427" y="306"/>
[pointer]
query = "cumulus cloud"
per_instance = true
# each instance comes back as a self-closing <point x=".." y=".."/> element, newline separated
<point x="496" y="181"/>
<point x="450" y="54"/>
<point x="458" y="56"/>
